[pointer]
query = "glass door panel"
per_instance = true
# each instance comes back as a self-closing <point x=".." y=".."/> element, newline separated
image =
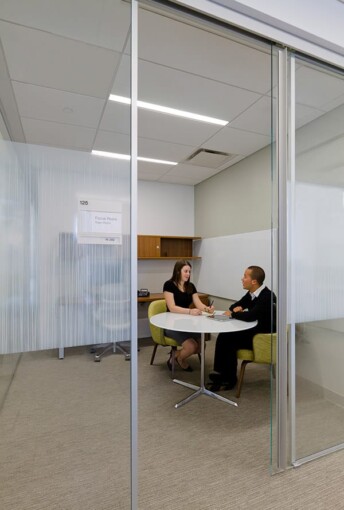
<point x="196" y="66"/>
<point x="317" y="259"/>
<point x="65" y="258"/>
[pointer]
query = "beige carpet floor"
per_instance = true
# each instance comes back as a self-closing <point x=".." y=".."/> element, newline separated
<point x="65" y="441"/>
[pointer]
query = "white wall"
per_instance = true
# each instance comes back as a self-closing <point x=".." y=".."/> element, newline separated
<point x="163" y="209"/>
<point x="235" y="200"/>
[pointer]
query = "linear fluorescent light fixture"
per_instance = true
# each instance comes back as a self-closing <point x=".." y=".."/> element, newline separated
<point x="169" y="111"/>
<point x="127" y="157"/>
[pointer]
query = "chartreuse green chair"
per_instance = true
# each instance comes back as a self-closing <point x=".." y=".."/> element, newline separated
<point x="158" y="336"/>
<point x="264" y="351"/>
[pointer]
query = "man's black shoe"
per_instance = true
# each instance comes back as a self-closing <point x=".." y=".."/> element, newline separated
<point x="228" y="386"/>
<point x="215" y="377"/>
<point x="213" y="386"/>
<point x="220" y="386"/>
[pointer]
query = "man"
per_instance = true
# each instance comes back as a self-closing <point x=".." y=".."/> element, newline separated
<point x="258" y="304"/>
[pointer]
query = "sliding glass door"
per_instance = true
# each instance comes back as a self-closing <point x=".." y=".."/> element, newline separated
<point x="316" y="260"/>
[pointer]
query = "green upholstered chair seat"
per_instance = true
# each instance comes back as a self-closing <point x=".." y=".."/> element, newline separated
<point x="158" y="336"/>
<point x="264" y="351"/>
<point x="245" y="354"/>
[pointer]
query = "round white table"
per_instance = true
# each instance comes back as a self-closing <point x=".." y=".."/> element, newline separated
<point x="199" y="324"/>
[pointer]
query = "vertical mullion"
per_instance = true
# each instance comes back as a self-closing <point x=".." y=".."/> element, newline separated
<point x="133" y="255"/>
<point x="282" y="365"/>
<point x="291" y="280"/>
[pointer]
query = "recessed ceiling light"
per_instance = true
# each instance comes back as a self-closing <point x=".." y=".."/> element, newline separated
<point x="127" y="157"/>
<point x="169" y="111"/>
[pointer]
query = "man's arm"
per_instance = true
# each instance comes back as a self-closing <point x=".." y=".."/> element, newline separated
<point x="243" y="302"/>
<point x="261" y="309"/>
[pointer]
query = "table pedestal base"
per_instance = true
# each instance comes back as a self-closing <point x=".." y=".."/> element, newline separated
<point x="200" y="390"/>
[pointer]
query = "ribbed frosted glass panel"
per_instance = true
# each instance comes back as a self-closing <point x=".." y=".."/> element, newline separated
<point x="319" y="252"/>
<point x="64" y="255"/>
<point x="317" y="259"/>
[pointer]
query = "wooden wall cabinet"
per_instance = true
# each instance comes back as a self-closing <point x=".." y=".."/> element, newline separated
<point x="165" y="247"/>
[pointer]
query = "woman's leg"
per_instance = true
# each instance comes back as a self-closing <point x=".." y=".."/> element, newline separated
<point x="189" y="347"/>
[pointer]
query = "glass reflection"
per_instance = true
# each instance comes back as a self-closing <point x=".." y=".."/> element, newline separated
<point x="318" y="258"/>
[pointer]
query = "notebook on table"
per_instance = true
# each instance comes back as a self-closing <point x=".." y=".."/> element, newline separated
<point x="220" y="317"/>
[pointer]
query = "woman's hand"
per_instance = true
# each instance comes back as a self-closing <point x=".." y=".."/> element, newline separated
<point x="195" y="311"/>
<point x="209" y="309"/>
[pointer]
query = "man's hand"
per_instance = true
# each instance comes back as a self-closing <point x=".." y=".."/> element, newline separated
<point x="238" y="309"/>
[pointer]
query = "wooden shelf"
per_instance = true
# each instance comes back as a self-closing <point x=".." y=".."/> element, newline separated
<point x="153" y="297"/>
<point x="165" y="247"/>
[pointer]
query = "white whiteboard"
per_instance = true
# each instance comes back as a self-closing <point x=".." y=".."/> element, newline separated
<point x="224" y="260"/>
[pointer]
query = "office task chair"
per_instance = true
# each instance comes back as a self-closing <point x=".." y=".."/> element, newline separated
<point x="264" y="351"/>
<point x="158" y="336"/>
<point x="113" y="316"/>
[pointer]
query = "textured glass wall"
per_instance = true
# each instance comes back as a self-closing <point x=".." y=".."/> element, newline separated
<point x="64" y="271"/>
<point x="64" y="282"/>
<point x="316" y="213"/>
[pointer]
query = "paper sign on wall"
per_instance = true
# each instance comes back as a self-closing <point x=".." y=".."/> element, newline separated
<point x="99" y="221"/>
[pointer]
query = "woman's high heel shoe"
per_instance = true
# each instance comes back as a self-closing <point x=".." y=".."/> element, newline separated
<point x="169" y="362"/>
<point x="187" y="369"/>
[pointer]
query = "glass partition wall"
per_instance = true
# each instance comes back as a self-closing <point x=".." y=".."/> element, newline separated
<point x="199" y="67"/>
<point x="65" y="260"/>
<point x="316" y="260"/>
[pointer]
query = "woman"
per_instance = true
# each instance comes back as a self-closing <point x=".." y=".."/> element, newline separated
<point x="179" y="294"/>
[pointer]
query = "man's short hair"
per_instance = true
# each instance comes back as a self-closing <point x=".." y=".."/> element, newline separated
<point x="257" y="273"/>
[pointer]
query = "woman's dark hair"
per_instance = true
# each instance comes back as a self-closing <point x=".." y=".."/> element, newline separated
<point x="257" y="273"/>
<point x="177" y="273"/>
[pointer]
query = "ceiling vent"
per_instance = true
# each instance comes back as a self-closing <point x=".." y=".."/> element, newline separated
<point x="209" y="158"/>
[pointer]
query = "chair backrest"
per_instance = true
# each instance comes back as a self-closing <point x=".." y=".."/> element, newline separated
<point x="264" y="347"/>
<point x="155" y="307"/>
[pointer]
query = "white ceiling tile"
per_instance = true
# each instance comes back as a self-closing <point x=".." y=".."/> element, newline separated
<point x="174" y="129"/>
<point x="305" y="114"/>
<point x="149" y="148"/>
<point x="121" y="85"/>
<point x="101" y="23"/>
<point x="58" y="63"/>
<point x="110" y="141"/>
<point x="187" y="174"/>
<point x="185" y="91"/>
<point x="334" y="103"/>
<point x="181" y="46"/>
<point x="193" y="171"/>
<point x="257" y="118"/>
<point x="56" y="105"/>
<point x="237" y="141"/>
<point x="151" y="170"/>
<point x="316" y="88"/>
<point x="58" y="135"/>
<point x="116" y="118"/>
